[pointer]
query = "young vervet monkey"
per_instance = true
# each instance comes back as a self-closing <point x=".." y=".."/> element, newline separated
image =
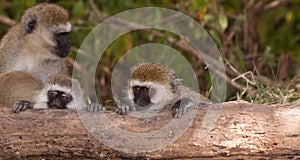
<point x="38" y="44"/>
<point x="60" y="92"/>
<point x="17" y="85"/>
<point x="152" y="84"/>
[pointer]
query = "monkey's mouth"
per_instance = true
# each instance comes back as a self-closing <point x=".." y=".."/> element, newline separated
<point x="57" y="107"/>
<point x="63" y="45"/>
<point x="62" y="52"/>
<point x="142" y="103"/>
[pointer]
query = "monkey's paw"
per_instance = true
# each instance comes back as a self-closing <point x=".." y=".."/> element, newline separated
<point x="181" y="106"/>
<point x="123" y="109"/>
<point x="95" y="107"/>
<point x="21" y="106"/>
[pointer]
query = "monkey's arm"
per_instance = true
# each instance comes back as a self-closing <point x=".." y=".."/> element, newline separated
<point x="181" y="106"/>
<point x="22" y="105"/>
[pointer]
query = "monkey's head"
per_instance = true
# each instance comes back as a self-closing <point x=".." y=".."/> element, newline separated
<point x="49" y="24"/>
<point x="152" y="83"/>
<point x="61" y="92"/>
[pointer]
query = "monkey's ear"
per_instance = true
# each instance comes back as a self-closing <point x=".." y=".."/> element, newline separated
<point x="30" y="23"/>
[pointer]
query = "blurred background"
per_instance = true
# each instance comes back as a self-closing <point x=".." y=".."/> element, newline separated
<point x="259" y="41"/>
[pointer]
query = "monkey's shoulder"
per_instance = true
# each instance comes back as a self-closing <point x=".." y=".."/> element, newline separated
<point x="186" y="92"/>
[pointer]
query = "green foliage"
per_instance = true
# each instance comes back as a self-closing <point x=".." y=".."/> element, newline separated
<point x="277" y="29"/>
<point x="282" y="35"/>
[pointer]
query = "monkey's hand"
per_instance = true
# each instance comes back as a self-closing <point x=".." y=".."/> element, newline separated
<point x="95" y="107"/>
<point x="22" y="105"/>
<point x="180" y="107"/>
<point x="123" y="109"/>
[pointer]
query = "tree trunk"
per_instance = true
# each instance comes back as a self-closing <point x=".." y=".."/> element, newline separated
<point x="242" y="131"/>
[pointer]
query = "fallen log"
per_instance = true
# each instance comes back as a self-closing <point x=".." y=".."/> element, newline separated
<point x="242" y="131"/>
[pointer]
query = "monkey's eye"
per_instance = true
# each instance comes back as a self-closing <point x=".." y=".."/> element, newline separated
<point x="66" y="97"/>
<point x="136" y="88"/>
<point x="52" y="93"/>
<point x="147" y="89"/>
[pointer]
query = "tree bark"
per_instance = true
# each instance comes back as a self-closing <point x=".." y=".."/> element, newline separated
<point x="242" y="131"/>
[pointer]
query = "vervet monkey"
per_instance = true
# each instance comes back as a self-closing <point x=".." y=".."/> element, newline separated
<point x="152" y="84"/>
<point x="60" y="92"/>
<point x="38" y="44"/>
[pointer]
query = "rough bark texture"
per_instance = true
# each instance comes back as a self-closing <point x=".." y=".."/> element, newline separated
<point x="243" y="131"/>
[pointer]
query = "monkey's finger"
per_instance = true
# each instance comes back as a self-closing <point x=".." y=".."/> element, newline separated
<point x="181" y="106"/>
<point x="175" y="113"/>
<point x="95" y="107"/>
<point x="178" y="112"/>
<point x="16" y="108"/>
<point x="120" y="111"/>
<point x="183" y="109"/>
<point x="123" y="109"/>
<point x="21" y="106"/>
<point x="90" y="108"/>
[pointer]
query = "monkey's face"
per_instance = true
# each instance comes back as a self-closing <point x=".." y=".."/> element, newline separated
<point x="147" y="94"/>
<point x="55" y="37"/>
<point x="50" y="24"/>
<point x="58" y="99"/>
<point x="142" y="95"/>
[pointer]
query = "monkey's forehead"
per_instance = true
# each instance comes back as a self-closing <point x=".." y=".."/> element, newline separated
<point x="61" y="80"/>
<point x="48" y="13"/>
<point x="152" y="72"/>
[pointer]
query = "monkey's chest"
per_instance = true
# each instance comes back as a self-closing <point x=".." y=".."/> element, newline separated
<point x="26" y="64"/>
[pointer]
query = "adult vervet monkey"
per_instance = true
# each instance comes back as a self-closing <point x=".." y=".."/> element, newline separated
<point x="38" y="44"/>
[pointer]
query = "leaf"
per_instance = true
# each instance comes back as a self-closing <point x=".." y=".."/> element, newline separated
<point x="78" y="9"/>
<point x="223" y="21"/>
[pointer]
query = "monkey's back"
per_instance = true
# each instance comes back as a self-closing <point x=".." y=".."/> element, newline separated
<point x="10" y="46"/>
<point x="16" y="86"/>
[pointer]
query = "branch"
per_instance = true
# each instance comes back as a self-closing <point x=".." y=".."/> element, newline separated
<point x="275" y="4"/>
<point x="243" y="131"/>
<point x="7" y="21"/>
<point x="95" y="9"/>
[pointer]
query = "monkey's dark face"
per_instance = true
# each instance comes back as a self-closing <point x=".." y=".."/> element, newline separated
<point x="63" y="45"/>
<point x="142" y="95"/>
<point x="58" y="99"/>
